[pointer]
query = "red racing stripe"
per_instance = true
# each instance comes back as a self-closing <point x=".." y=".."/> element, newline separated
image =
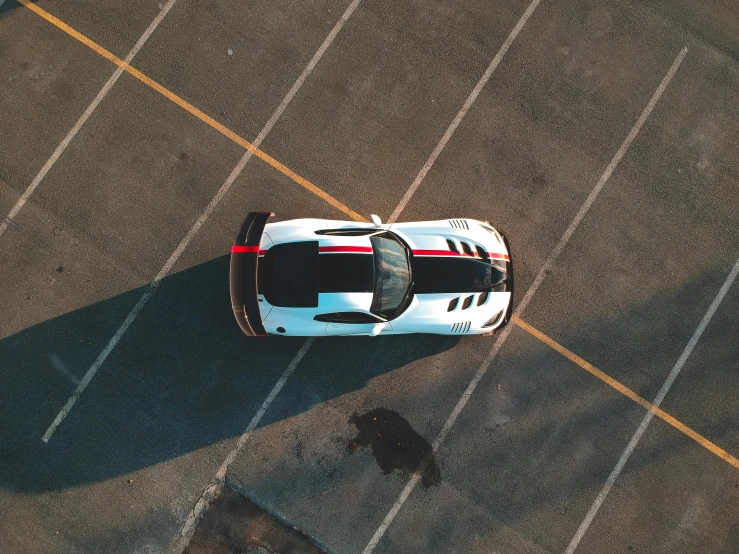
<point x="241" y="249"/>
<point x="345" y="250"/>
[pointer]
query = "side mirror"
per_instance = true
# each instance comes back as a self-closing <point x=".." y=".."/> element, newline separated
<point x="376" y="220"/>
<point x="377" y="329"/>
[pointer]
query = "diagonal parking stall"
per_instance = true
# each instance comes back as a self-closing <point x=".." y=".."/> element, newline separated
<point x="72" y="133"/>
<point x="170" y="422"/>
<point x="48" y="81"/>
<point x="683" y="497"/>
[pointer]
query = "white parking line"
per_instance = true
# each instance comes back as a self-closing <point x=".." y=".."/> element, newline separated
<point x="210" y="492"/>
<point x="529" y="294"/>
<point x="649" y="415"/>
<point x="83" y="118"/>
<point x="196" y="226"/>
<point x="463" y="111"/>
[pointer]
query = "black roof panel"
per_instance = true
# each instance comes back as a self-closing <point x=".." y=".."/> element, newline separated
<point x="346" y="272"/>
<point x="288" y="275"/>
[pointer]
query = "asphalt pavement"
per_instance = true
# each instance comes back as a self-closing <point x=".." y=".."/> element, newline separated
<point x="600" y="137"/>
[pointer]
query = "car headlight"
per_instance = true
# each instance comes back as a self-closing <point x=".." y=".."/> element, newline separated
<point x="494" y="320"/>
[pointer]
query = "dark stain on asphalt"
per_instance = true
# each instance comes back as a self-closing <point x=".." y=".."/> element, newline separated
<point x="395" y="445"/>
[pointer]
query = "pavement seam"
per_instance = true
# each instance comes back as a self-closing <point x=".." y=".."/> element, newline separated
<point x="215" y="486"/>
<point x="235" y="485"/>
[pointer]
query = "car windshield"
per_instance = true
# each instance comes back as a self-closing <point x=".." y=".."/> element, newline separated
<point x="392" y="275"/>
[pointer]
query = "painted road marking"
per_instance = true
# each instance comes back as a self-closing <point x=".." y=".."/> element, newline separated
<point x="84" y="117"/>
<point x="252" y="148"/>
<point x="546" y="268"/>
<point x="463" y="111"/>
<point x="648" y="417"/>
<point x="194" y="229"/>
<point x="644" y="403"/>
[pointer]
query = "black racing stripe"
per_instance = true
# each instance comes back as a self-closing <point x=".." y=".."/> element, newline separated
<point x="345" y="272"/>
<point x="452" y="274"/>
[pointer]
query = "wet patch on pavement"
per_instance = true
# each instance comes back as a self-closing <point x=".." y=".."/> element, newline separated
<point x="395" y="445"/>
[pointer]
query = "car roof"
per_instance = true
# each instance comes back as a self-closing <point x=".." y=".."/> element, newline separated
<point x="293" y="274"/>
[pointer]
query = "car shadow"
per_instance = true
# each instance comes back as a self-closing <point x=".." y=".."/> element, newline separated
<point x="9" y="5"/>
<point x="182" y="377"/>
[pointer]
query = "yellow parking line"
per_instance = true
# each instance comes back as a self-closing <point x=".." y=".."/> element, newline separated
<point x="184" y="104"/>
<point x="720" y="452"/>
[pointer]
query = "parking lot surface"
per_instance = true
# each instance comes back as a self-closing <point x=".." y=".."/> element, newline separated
<point x="600" y="137"/>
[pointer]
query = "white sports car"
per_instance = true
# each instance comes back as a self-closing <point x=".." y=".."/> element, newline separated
<point x="314" y="277"/>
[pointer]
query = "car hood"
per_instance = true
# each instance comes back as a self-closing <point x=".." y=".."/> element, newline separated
<point x="453" y="274"/>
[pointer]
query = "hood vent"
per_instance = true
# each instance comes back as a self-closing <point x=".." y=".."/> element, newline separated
<point x="453" y="304"/>
<point x="452" y="246"/>
<point x="467" y="302"/>
<point x="461" y="327"/>
<point x="459" y="224"/>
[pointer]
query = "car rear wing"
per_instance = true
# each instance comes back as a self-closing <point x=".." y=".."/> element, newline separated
<point x="509" y="280"/>
<point x="243" y="276"/>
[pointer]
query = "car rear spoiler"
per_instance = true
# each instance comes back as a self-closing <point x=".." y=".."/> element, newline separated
<point x="509" y="280"/>
<point x="243" y="276"/>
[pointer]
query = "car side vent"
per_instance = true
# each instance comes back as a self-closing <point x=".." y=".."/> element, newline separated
<point x="467" y="302"/>
<point x="461" y="327"/>
<point x="453" y="304"/>
<point x="483" y="298"/>
<point x="459" y="224"/>
<point x="466" y="248"/>
<point x="452" y="246"/>
<point x="481" y="252"/>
